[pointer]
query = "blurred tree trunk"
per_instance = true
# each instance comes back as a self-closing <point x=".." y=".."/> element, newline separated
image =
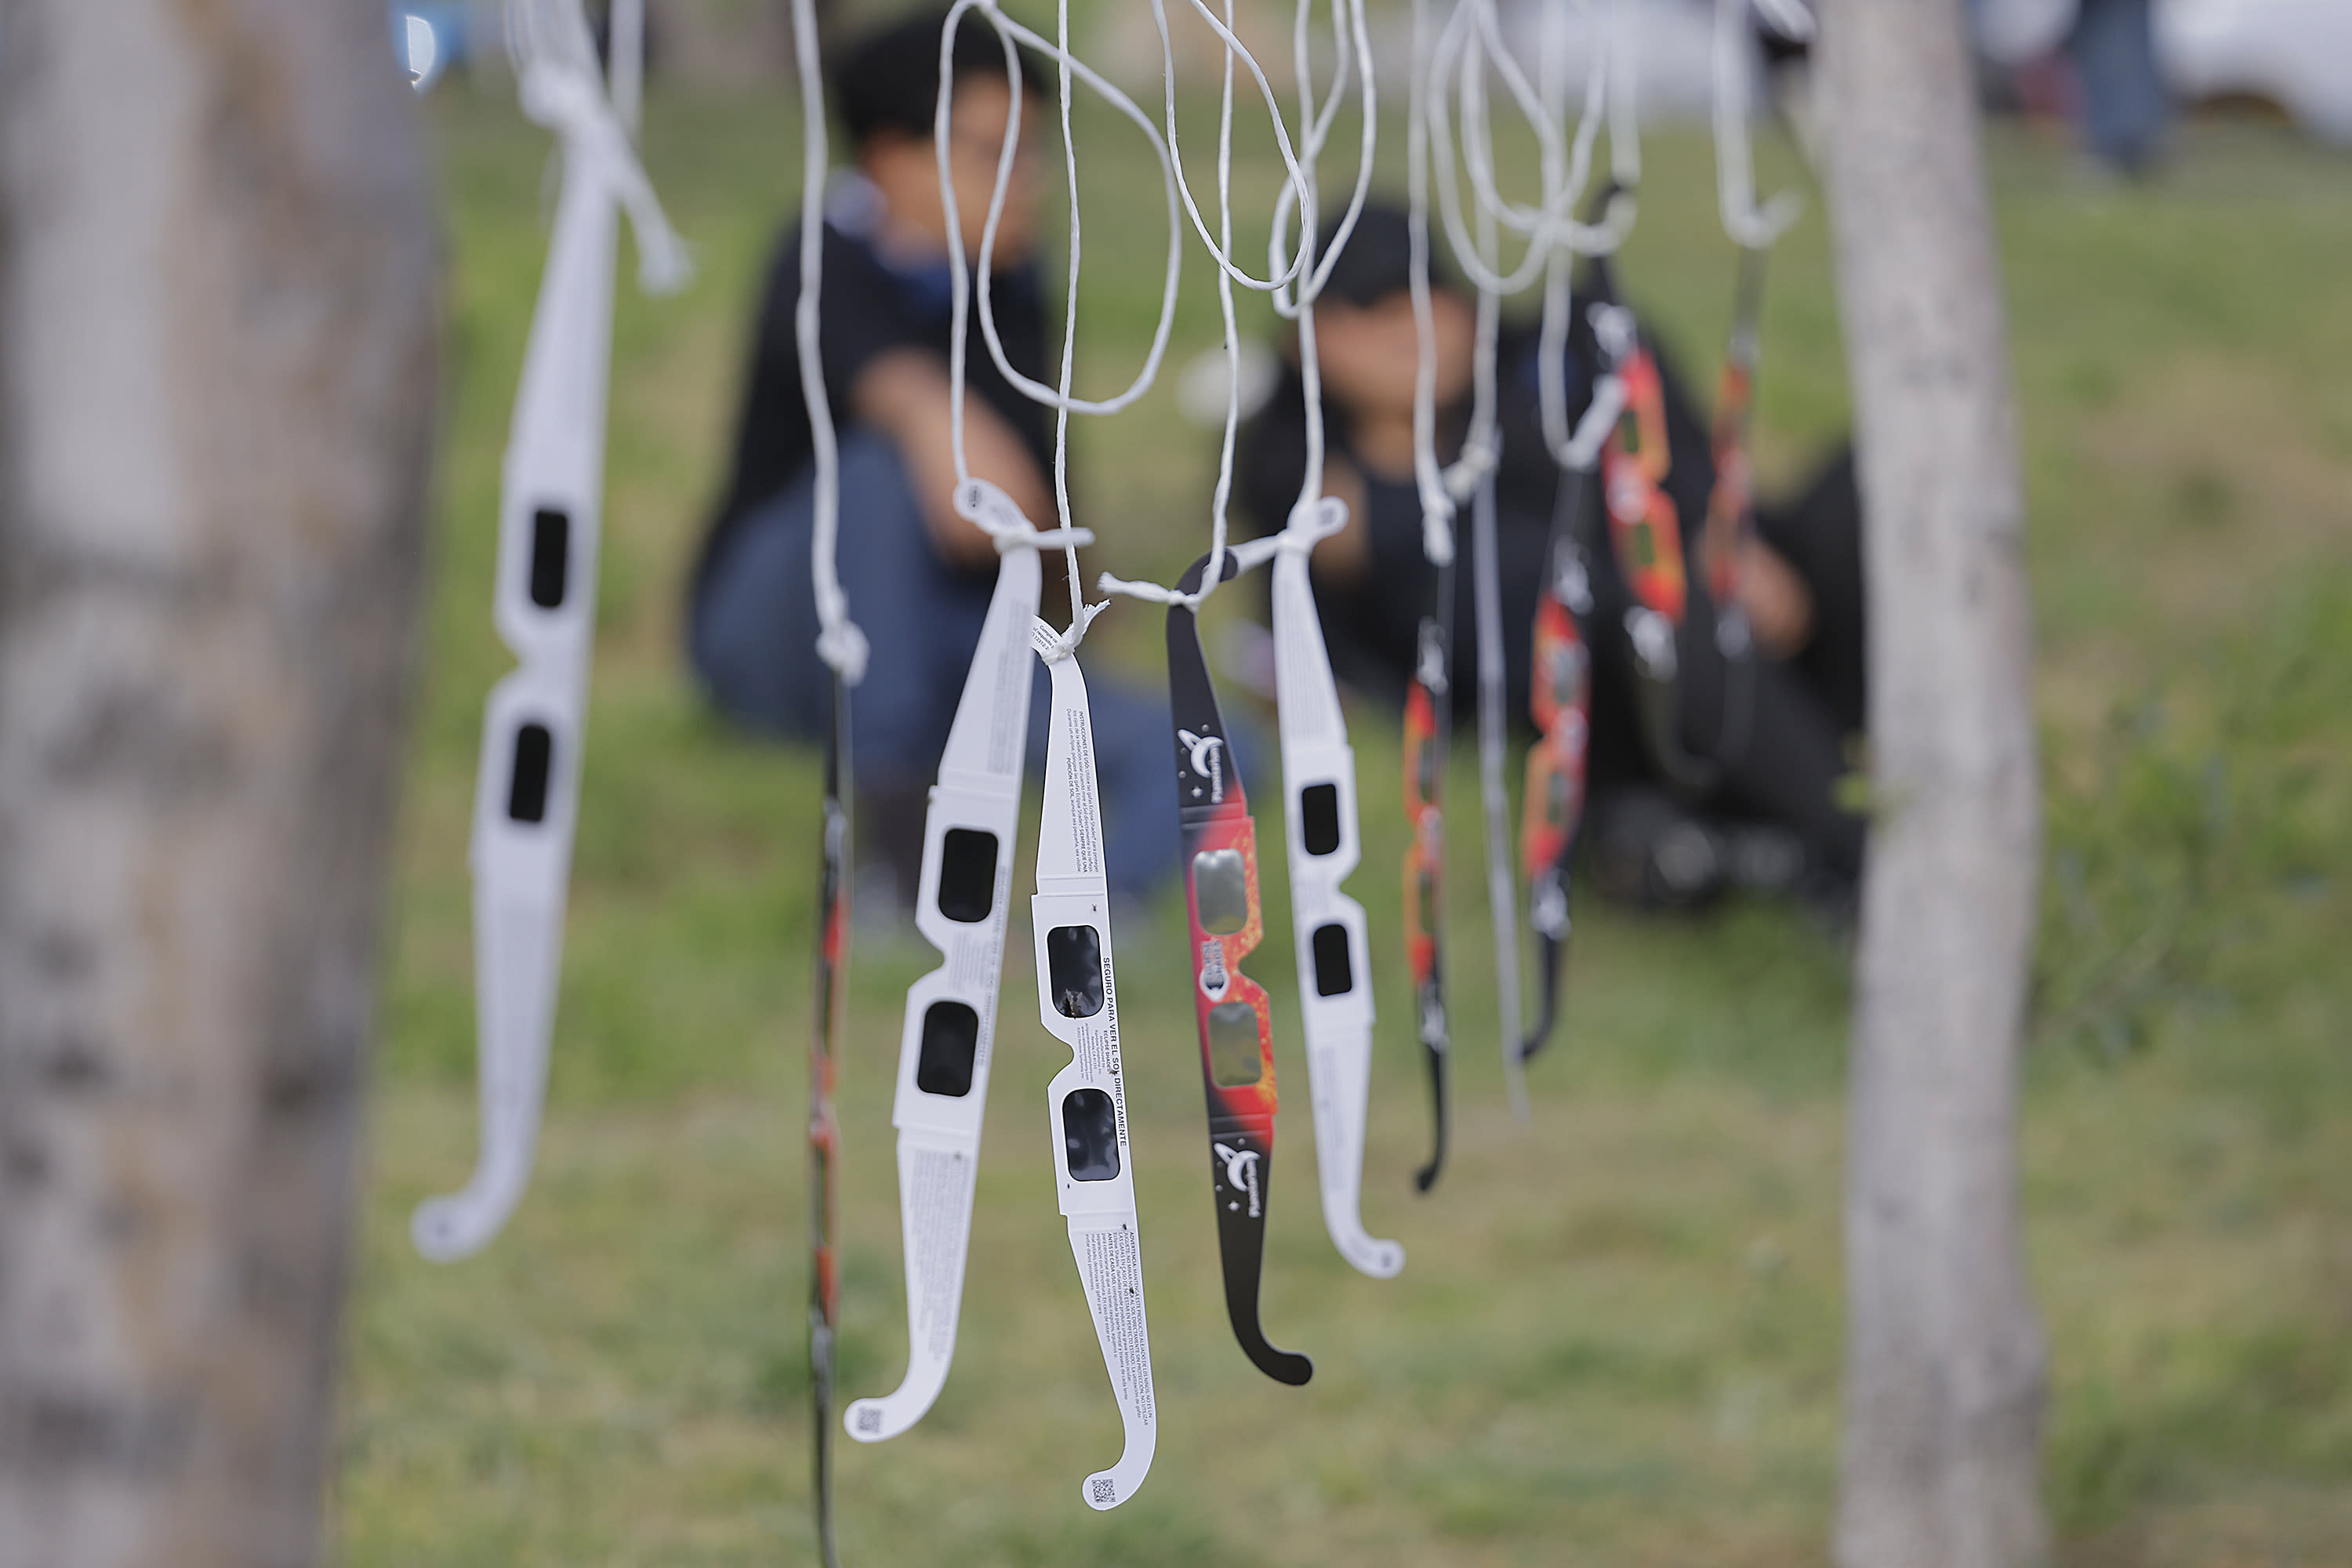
<point x="218" y="361"/>
<point x="1945" y="1355"/>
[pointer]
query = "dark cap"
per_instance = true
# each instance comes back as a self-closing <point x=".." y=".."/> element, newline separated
<point x="888" y="81"/>
<point x="1378" y="260"/>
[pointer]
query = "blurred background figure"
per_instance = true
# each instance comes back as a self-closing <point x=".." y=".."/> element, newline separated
<point x="1774" y="733"/>
<point x="2093" y="61"/>
<point x="2125" y="105"/>
<point x="918" y="576"/>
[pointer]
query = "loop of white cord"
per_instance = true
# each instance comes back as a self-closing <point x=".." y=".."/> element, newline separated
<point x="1067" y="65"/>
<point x="1463" y="48"/>
<point x="556" y="76"/>
<point x="1750" y="227"/>
<point x="1351" y="42"/>
<point x="1297" y="198"/>
<point x="1220" y="248"/>
<point x="990" y="510"/>
<point x="1553" y="237"/>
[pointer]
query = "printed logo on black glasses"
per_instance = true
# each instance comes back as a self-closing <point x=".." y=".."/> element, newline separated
<point x="1240" y="1174"/>
<point x="1207" y="762"/>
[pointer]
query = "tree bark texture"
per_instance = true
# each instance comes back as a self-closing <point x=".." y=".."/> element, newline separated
<point x="218" y="279"/>
<point x="1945" y="1355"/>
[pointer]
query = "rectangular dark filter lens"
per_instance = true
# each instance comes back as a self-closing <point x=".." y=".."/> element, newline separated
<point x="550" y="556"/>
<point x="534" y="762"/>
<point x="1073" y="969"/>
<point x="1236" y="1048"/>
<point x="1090" y="1134"/>
<point x="1335" y="976"/>
<point x="1221" y="891"/>
<point x="951" y="1042"/>
<point x="1318" y="818"/>
<point x="967" y="875"/>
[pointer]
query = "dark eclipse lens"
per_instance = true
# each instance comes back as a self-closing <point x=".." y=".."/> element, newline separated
<point x="967" y="875"/>
<point x="1236" y="1049"/>
<point x="1318" y="818"/>
<point x="534" y="761"/>
<point x="950" y="1041"/>
<point x="1090" y="1134"/>
<point x="1333" y="974"/>
<point x="1564" y="671"/>
<point x="550" y="556"/>
<point x="1073" y="965"/>
<point x="1221" y="891"/>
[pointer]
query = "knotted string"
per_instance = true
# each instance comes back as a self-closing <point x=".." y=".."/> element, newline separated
<point x="556" y="76"/>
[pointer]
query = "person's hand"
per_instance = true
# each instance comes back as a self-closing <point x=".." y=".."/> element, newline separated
<point x="1779" y="605"/>
<point x="904" y="394"/>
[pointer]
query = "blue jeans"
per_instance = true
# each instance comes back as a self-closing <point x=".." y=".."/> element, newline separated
<point x="752" y="640"/>
<point x="2126" y="106"/>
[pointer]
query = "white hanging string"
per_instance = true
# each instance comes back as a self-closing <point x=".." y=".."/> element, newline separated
<point x="1436" y="503"/>
<point x="1220" y="248"/>
<point x="1502" y="893"/>
<point x="1081" y="615"/>
<point x="1579" y="450"/>
<point x="1298" y="199"/>
<point x="626" y="74"/>
<point x="1220" y="500"/>
<point x="1750" y="227"/>
<point x="561" y="88"/>
<point x="1014" y="34"/>
<point x="1351" y="42"/>
<point x="977" y="500"/>
<point x="1464" y="49"/>
<point x="1347" y="18"/>
<point x="839" y="642"/>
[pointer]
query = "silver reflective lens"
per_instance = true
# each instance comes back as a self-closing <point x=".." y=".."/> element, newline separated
<point x="1074" y="961"/>
<point x="1221" y="889"/>
<point x="1090" y="1134"/>
<point x="1236" y="1059"/>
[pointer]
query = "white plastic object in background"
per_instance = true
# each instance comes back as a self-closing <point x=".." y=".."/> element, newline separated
<point x="2296" y="53"/>
<point x="1335" y="976"/>
<point x="1072" y="897"/>
<point x="548" y="516"/>
<point x="626" y="29"/>
<point x="421" y="51"/>
<point x="978" y="792"/>
<point x="2016" y="32"/>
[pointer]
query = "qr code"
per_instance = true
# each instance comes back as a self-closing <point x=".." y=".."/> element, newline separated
<point x="1103" y="1490"/>
<point x="869" y="1419"/>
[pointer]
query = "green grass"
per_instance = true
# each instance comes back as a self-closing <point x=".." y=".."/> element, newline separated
<point x="1617" y="1340"/>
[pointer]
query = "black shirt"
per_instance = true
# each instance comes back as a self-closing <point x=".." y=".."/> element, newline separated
<point x="870" y="306"/>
